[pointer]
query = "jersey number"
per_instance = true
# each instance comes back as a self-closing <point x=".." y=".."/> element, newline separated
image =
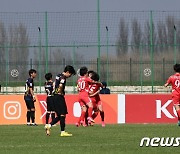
<point x="82" y="85"/>
<point x="177" y="83"/>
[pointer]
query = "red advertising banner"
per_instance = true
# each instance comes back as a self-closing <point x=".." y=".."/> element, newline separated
<point x="119" y="108"/>
<point x="74" y="110"/>
<point x="13" y="109"/>
<point x="149" y="108"/>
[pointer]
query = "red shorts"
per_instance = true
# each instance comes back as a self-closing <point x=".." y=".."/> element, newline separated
<point x="96" y="101"/>
<point x="84" y="99"/>
<point x="176" y="98"/>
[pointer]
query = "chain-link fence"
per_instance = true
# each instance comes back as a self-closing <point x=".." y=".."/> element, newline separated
<point x="126" y="48"/>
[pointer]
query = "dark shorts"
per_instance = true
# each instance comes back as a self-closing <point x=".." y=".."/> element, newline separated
<point x="60" y="105"/>
<point x="30" y="104"/>
<point x="50" y="104"/>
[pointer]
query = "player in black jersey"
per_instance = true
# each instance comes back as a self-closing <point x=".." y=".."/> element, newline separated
<point x="29" y="98"/>
<point x="59" y="100"/>
<point x="49" y="87"/>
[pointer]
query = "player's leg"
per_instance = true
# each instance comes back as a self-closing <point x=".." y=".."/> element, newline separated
<point x="82" y="117"/>
<point x="63" y="117"/>
<point x="52" y="115"/>
<point x="100" y="108"/>
<point x="177" y="108"/>
<point x="55" y="120"/>
<point x="50" y="107"/>
<point x="32" y="116"/>
<point x="90" y="109"/>
<point x="28" y="114"/>
<point x="175" y="99"/>
<point x="47" y="116"/>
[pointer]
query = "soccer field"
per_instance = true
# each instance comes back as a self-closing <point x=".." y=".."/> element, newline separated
<point x="123" y="138"/>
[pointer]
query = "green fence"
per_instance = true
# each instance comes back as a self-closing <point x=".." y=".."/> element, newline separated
<point x="124" y="47"/>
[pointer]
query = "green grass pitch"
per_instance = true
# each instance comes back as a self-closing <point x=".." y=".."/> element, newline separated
<point x="113" y="139"/>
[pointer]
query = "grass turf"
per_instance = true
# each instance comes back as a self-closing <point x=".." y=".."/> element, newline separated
<point x="115" y="139"/>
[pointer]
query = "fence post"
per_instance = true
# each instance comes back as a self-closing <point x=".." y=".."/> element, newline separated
<point x="46" y="40"/>
<point x="99" y="39"/>
<point x="130" y="70"/>
<point x="164" y="70"/>
<point x="31" y="63"/>
<point x="152" y="50"/>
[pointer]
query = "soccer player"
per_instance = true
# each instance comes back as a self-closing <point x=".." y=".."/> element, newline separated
<point x="59" y="100"/>
<point x="174" y="80"/>
<point x="49" y="87"/>
<point x="95" y="98"/>
<point x="84" y="83"/>
<point x="29" y="98"/>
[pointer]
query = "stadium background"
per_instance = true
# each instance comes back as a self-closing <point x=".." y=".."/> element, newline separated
<point x="127" y="48"/>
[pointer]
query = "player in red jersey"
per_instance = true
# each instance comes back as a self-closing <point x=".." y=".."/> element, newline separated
<point x="95" y="98"/>
<point x="174" y="80"/>
<point x="84" y="83"/>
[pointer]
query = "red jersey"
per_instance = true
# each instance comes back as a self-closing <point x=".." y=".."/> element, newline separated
<point x="95" y="99"/>
<point x="83" y="85"/>
<point x="174" y="80"/>
<point x="94" y="88"/>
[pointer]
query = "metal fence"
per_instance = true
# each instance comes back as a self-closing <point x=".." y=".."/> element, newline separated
<point x="136" y="48"/>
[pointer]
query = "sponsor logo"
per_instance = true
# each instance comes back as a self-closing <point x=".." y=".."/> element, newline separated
<point x="163" y="109"/>
<point x="12" y="110"/>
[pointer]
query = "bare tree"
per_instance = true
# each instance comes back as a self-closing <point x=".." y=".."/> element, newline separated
<point x="148" y="33"/>
<point x="161" y="37"/>
<point x="170" y="22"/>
<point x="18" y="49"/>
<point x="136" y="35"/>
<point x="122" y="43"/>
<point x="3" y="39"/>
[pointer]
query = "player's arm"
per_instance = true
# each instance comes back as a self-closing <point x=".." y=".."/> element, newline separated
<point x="168" y="82"/>
<point x="61" y="89"/>
<point x="94" y="94"/>
<point x="32" y="93"/>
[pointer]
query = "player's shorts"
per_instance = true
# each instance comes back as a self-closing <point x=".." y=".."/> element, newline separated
<point x="96" y="101"/>
<point x="59" y="105"/>
<point x="84" y="100"/>
<point x="176" y="98"/>
<point x="50" y="104"/>
<point x="30" y="104"/>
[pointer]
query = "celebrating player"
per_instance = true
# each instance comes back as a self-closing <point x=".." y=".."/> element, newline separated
<point x="49" y="87"/>
<point x="174" y="80"/>
<point x="29" y="98"/>
<point x="95" y="98"/>
<point x="59" y="100"/>
<point x="84" y="83"/>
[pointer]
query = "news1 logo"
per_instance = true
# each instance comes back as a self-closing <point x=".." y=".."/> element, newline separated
<point x="12" y="110"/>
<point x="157" y="141"/>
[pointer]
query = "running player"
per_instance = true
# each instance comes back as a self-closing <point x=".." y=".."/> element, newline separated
<point x="84" y="83"/>
<point x="29" y="98"/>
<point x="59" y="100"/>
<point x="95" y="98"/>
<point x="49" y="100"/>
<point x="174" y="80"/>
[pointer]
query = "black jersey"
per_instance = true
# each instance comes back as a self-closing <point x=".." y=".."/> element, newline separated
<point x="29" y="84"/>
<point x="60" y="79"/>
<point x="49" y="87"/>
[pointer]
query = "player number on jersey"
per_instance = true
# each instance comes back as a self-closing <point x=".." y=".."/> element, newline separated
<point x="177" y="83"/>
<point x="81" y="84"/>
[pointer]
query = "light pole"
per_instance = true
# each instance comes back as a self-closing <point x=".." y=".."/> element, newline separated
<point x="99" y="41"/>
<point x="39" y="30"/>
<point x="107" y="56"/>
<point x="175" y="44"/>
